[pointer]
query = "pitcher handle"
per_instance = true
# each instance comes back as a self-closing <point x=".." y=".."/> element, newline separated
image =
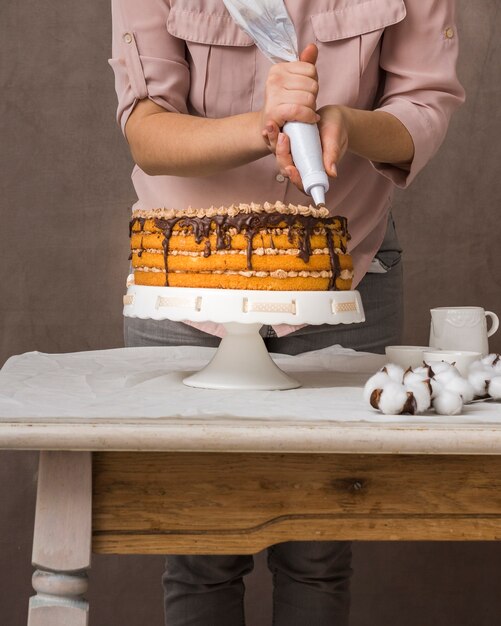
<point x="495" y="323"/>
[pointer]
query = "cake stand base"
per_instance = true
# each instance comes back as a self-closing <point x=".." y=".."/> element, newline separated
<point x="241" y="362"/>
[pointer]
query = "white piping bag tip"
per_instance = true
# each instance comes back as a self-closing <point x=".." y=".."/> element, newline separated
<point x="317" y="192"/>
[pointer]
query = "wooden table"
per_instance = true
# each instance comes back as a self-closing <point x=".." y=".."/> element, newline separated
<point x="171" y="485"/>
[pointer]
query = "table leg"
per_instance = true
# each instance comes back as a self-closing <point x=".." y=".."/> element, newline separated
<point x="62" y="540"/>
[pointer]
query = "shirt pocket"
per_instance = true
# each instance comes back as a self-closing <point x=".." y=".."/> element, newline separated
<point x="347" y="38"/>
<point x="222" y="60"/>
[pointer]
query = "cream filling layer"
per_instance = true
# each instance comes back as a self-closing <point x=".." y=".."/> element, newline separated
<point x="344" y="274"/>
<point x="233" y="232"/>
<point x="256" y="251"/>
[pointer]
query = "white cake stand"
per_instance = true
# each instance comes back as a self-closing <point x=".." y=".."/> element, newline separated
<point x="242" y="360"/>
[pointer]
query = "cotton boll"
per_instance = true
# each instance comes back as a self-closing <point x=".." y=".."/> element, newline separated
<point x="424" y="371"/>
<point x="448" y="403"/>
<point x="378" y="381"/>
<point x="422" y="395"/>
<point x="494" y="387"/>
<point x="440" y="367"/>
<point x="436" y="388"/>
<point x="411" y="377"/>
<point x="443" y="372"/>
<point x="490" y="363"/>
<point x="461" y="386"/>
<point x="496" y="365"/>
<point x="395" y="372"/>
<point x="478" y="380"/>
<point x="490" y="360"/>
<point x="393" y="399"/>
<point x="477" y="366"/>
<point x="447" y="376"/>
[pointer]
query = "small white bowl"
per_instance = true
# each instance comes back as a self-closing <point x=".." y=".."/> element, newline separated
<point x="462" y="359"/>
<point x="406" y="356"/>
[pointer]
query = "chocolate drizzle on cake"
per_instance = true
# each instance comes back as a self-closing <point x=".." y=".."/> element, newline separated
<point x="300" y="230"/>
<point x="136" y="220"/>
<point x="335" y="268"/>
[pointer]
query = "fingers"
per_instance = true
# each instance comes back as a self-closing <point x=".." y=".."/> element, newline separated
<point x="309" y="54"/>
<point x="298" y="113"/>
<point x="300" y="82"/>
<point x="334" y="145"/>
<point x="280" y="144"/>
<point x="331" y="156"/>
<point x="284" y="161"/>
<point x="301" y="68"/>
<point x="270" y="134"/>
<point x="291" y="97"/>
<point x="283" y="153"/>
<point x="299" y="98"/>
<point x="292" y="174"/>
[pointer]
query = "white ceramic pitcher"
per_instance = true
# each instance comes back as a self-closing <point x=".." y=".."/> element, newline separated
<point x="462" y="328"/>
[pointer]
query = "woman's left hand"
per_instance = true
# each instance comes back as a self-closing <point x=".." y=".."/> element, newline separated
<point x="334" y="136"/>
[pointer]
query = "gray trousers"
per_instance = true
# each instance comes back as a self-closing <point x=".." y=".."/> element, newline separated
<point x="311" y="579"/>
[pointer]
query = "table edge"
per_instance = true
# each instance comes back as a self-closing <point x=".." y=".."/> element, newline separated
<point x="352" y="438"/>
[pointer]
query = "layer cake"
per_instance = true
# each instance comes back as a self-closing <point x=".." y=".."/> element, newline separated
<point x="246" y="246"/>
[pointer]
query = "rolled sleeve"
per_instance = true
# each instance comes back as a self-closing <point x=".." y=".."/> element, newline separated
<point x="419" y="56"/>
<point x="148" y="62"/>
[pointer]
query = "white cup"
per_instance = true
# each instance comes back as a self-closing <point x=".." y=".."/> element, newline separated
<point x="406" y="356"/>
<point x="462" y="328"/>
<point x="462" y="359"/>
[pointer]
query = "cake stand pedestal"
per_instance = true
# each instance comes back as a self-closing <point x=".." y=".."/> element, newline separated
<point x="242" y="360"/>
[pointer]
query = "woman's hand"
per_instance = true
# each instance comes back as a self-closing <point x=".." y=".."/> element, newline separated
<point x="334" y="130"/>
<point x="290" y="95"/>
<point x="374" y="135"/>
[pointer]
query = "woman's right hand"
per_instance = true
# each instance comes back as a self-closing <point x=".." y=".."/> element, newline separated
<point x="290" y="95"/>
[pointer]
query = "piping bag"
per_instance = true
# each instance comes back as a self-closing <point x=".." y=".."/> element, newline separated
<point x="271" y="28"/>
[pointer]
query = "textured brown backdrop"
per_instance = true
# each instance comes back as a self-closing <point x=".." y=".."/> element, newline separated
<point x="65" y="191"/>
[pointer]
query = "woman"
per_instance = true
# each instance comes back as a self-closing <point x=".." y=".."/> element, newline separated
<point x="202" y="110"/>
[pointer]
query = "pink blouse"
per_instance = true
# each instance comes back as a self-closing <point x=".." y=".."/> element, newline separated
<point x="190" y="57"/>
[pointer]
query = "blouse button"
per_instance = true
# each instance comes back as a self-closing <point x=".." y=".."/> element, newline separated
<point x="280" y="178"/>
<point x="449" y="33"/>
<point x="128" y="38"/>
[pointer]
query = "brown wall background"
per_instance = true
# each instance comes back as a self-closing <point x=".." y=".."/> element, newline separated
<point x="64" y="172"/>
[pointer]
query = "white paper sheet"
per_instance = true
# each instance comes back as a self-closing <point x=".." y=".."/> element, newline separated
<point x="147" y="382"/>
